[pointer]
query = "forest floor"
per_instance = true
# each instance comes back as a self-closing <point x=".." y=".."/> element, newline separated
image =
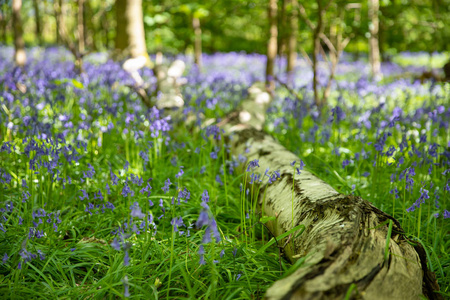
<point x="102" y="197"/>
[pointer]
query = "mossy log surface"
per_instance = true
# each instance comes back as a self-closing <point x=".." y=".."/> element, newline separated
<point x="344" y="240"/>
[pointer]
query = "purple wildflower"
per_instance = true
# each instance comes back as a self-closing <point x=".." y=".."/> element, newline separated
<point x="201" y="252"/>
<point x="85" y="195"/>
<point x="446" y="214"/>
<point x="136" y="211"/>
<point x="126" y="287"/>
<point x="252" y="165"/>
<point x="180" y="173"/>
<point x="126" y="259"/>
<point x="166" y="186"/>
<point x="127" y="191"/>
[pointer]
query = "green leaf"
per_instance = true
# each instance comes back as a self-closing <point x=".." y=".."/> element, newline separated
<point x="77" y="84"/>
<point x="282" y="236"/>
<point x="266" y="219"/>
<point x="295" y="266"/>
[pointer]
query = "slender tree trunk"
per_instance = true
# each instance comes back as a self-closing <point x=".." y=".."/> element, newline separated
<point x="197" y="42"/>
<point x="374" y="50"/>
<point x="3" y="22"/>
<point x="80" y="26"/>
<point x="130" y="35"/>
<point x="271" y="45"/>
<point x="334" y="52"/>
<point x="58" y="13"/>
<point x="37" y="19"/>
<point x="292" y="41"/>
<point x="105" y="30"/>
<point x="343" y="239"/>
<point x="91" y="31"/>
<point x="20" y="57"/>
<point x="282" y="28"/>
<point x="316" y="50"/>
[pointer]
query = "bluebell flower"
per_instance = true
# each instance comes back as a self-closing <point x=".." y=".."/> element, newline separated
<point x="144" y="156"/>
<point x="201" y="252"/>
<point x="84" y="196"/>
<point x="215" y="230"/>
<point x="218" y="179"/>
<point x="126" y="287"/>
<point x="5" y="258"/>
<point x="127" y="191"/>
<point x="146" y="189"/>
<point x="203" y="219"/>
<point x="252" y="165"/>
<point x="203" y="169"/>
<point x="446" y="214"/>
<point x="166" y="186"/>
<point x="126" y="259"/>
<point x="90" y="173"/>
<point x="275" y="175"/>
<point x="136" y="211"/>
<point x="41" y="255"/>
<point x="180" y="173"/>
<point x="177" y="222"/>
<point x="114" y="178"/>
<point x="345" y="163"/>
<point x="213" y="130"/>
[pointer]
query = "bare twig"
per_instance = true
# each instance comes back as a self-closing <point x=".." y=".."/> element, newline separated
<point x="305" y="55"/>
<point x="304" y="15"/>
<point x="297" y="96"/>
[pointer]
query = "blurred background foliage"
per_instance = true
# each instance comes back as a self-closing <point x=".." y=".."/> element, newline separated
<point x="236" y="25"/>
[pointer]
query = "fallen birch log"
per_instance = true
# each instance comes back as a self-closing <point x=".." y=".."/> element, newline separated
<point x="345" y="237"/>
<point x="168" y="81"/>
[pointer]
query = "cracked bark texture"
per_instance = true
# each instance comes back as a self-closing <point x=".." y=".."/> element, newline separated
<point x="345" y="236"/>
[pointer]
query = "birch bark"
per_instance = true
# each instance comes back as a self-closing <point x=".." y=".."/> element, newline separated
<point x="345" y="236"/>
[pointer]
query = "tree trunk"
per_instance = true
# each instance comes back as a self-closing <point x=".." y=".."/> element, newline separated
<point x="374" y="50"/>
<point x="80" y="26"/>
<point x="37" y="19"/>
<point x="105" y="29"/>
<point x="271" y="45"/>
<point x="91" y="30"/>
<point x="130" y="35"/>
<point x="282" y="28"/>
<point x="344" y="238"/>
<point x="20" y="57"/>
<point x="316" y="50"/>
<point x="3" y="22"/>
<point x="292" y="40"/>
<point x="58" y="8"/>
<point x="197" y="42"/>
